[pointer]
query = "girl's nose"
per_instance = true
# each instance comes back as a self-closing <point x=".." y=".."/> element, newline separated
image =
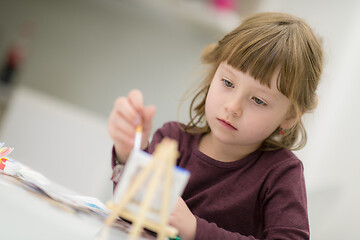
<point x="234" y="107"/>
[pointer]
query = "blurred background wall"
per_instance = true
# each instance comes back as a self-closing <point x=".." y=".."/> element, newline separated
<point x="80" y="55"/>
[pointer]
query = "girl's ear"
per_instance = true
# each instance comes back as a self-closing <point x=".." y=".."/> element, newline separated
<point x="289" y="122"/>
<point x="291" y="119"/>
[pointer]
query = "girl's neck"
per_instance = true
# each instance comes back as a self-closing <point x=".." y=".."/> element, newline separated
<point x="222" y="152"/>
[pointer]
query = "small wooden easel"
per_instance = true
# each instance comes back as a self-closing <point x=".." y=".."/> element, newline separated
<point x="160" y="167"/>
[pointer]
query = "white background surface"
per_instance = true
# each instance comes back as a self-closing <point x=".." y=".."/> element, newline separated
<point x="84" y="54"/>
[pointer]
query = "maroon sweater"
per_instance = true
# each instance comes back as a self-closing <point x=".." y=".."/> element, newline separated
<point x="261" y="196"/>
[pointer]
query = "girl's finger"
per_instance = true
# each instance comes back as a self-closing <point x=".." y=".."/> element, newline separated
<point x="124" y="108"/>
<point x="136" y="100"/>
<point x="118" y="124"/>
<point x="148" y="115"/>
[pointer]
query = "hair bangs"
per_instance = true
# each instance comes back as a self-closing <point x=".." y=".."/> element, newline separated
<point x="262" y="54"/>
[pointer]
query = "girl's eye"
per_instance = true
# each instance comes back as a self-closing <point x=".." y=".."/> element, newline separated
<point x="259" y="101"/>
<point x="228" y="83"/>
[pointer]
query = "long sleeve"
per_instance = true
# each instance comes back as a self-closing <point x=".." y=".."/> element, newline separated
<point x="206" y="230"/>
<point x="283" y="211"/>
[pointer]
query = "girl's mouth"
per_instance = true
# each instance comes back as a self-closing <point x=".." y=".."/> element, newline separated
<point x="226" y="124"/>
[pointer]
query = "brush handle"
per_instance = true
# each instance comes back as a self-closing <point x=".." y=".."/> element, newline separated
<point x="137" y="142"/>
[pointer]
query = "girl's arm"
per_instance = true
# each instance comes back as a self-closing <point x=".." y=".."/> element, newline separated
<point x="283" y="208"/>
<point x="194" y="228"/>
<point x="210" y="231"/>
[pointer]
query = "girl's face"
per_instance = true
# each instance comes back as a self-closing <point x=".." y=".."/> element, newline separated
<point x="242" y="112"/>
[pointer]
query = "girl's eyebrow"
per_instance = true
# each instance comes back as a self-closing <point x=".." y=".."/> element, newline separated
<point x="228" y="69"/>
<point x="267" y="91"/>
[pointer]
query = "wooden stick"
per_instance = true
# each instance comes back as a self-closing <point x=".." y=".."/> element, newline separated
<point x="166" y="200"/>
<point x="164" y="214"/>
<point x="131" y="192"/>
<point x="145" y="205"/>
<point x="151" y="225"/>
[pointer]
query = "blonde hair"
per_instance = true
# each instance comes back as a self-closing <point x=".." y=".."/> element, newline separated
<point x="261" y="45"/>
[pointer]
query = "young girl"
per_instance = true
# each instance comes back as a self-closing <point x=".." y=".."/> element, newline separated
<point x="245" y="119"/>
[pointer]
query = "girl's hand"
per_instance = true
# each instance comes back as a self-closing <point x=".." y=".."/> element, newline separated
<point x="183" y="219"/>
<point x="127" y="114"/>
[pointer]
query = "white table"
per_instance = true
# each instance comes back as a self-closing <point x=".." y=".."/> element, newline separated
<point x="25" y="215"/>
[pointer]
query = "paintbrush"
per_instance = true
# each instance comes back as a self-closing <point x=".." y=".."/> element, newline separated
<point x="138" y="133"/>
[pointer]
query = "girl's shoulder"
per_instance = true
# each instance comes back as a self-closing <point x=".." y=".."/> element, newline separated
<point x="281" y="159"/>
<point x="282" y="155"/>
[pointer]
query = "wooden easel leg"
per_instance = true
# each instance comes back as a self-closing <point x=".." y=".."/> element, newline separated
<point x="131" y="192"/>
<point x="148" y="197"/>
<point x="166" y="199"/>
